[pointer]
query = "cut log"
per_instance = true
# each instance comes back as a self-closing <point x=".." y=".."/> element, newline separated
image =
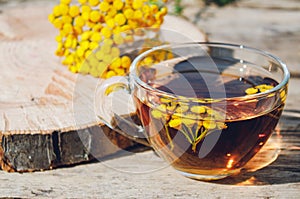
<point x="47" y="113"/>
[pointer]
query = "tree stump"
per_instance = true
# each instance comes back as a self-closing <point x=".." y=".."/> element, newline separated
<point x="47" y="113"/>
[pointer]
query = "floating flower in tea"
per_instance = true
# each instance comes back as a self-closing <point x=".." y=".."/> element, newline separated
<point x="193" y="122"/>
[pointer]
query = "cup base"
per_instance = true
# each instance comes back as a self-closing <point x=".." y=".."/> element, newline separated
<point x="205" y="177"/>
<point x="263" y="158"/>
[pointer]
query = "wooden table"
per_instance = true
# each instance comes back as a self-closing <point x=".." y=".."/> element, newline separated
<point x="144" y="175"/>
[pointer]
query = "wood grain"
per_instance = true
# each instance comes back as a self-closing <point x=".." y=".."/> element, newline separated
<point x="47" y="114"/>
<point x="38" y="129"/>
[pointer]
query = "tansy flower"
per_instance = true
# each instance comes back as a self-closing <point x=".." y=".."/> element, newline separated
<point x="85" y="26"/>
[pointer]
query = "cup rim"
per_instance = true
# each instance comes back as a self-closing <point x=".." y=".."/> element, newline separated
<point x="281" y="84"/>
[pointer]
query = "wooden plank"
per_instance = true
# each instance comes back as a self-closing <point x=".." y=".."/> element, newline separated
<point x="47" y="114"/>
<point x="145" y="175"/>
<point x="38" y="130"/>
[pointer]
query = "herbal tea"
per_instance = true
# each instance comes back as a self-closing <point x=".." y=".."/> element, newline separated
<point x="197" y="137"/>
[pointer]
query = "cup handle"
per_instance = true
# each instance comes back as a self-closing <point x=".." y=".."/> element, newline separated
<point x="115" y="107"/>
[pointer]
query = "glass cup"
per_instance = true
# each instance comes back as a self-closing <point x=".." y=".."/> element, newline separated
<point x="205" y="108"/>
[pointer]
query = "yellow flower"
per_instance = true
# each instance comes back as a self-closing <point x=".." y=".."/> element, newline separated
<point x="69" y="59"/>
<point x="129" y="13"/>
<point x="93" y="2"/>
<point x="174" y="123"/>
<point x="118" y="39"/>
<point x="108" y="59"/>
<point x="110" y="22"/>
<point x="126" y="61"/>
<point x="79" y="21"/>
<point x="82" y="1"/>
<point x="164" y="100"/>
<point x="86" y="16"/>
<point x="56" y="11"/>
<point x="84" y="67"/>
<point x="86" y="35"/>
<point x="264" y="87"/>
<point x="118" y="4"/>
<point x="106" y="32"/>
<point x="65" y="1"/>
<point x="110" y="74"/>
<point x="84" y="44"/>
<point x="93" y="45"/>
<point x="148" y="60"/>
<point x="120" y="19"/>
<point x="99" y="54"/>
<point x="94" y="72"/>
<point x="95" y="16"/>
<point x="88" y="24"/>
<point x="198" y="109"/>
<point x="162" y="107"/>
<point x="164" y="10"/>
<point x="73" y="69"/>
<point x="85" y="9"/>
<point x="104" y="6"/>
<point x="117" y="30"/>
<point x="77" y="30"/>
<point x="221" y="125"/>
<point x="87" y="53"/>
<point x="182" y="109"/>
<point x="80" y="52"/>
<point x="125" y="29"/>
<point x="171" y="107"/>
<point x="251" y="90"/>
<point x="58" y="23"/>
<point x="119" y="71"/>
<point x="96" y="37"/>
<point x="154" y="8"/>
<point x="112" y="12"/>
<point x="146" y="9"/>
<point x="51" y="17"/>
<point x="116" y="63"/>
<point x="137" y="14"/>
<point x="67" y="28"/>
<point x="102" y="67"/>
<point x="283" y="95"/>
<point x="129" y="38"/>
<point x="209" y="124"/>
<point x="156" y="114"/>
<point x="137" y="4"/>
<point x="64" y="9"/>
<point x="58" y="38"/>
<point x="97" y="27"/>
<point x="115" y="52"/>
<point x="74" y="11"/>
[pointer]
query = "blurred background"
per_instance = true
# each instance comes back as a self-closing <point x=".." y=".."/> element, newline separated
<point x="270" y="25"/>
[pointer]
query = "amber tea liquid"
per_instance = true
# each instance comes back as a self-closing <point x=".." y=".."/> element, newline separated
<point x="235" y="145"/>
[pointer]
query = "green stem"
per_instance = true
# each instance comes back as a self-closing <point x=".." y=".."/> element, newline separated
<point x="187" y="136"/>
<point x="188" y="133"/>
<point x="198" y="139"/>
<point x="178" y="7"/>
<point x="169" y="137"/>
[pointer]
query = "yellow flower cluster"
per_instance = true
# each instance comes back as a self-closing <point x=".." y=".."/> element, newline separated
<point x="92" y="31"/>
<point x="258" y="89"/>
<point x="194" y="121"/>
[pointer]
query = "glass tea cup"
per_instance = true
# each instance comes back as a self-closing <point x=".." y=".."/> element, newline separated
<point x="205" y="108"/>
